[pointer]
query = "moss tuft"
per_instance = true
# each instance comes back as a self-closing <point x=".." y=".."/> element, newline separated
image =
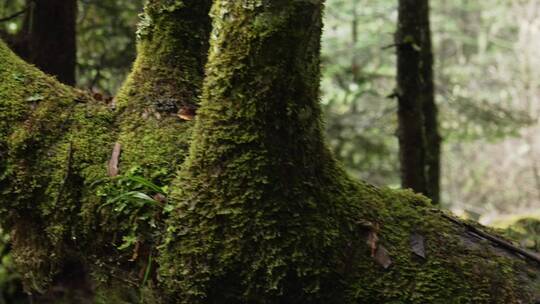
<point x="264" y="214"/>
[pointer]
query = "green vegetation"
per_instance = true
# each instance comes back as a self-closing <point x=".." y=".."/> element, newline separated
<point x="241" y="199"/>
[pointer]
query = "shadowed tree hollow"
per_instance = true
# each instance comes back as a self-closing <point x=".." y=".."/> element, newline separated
<point x="160" y="197"/>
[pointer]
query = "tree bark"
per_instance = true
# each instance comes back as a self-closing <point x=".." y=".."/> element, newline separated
<point x="260" y="211"/>
<point x="48" y="37"/>
<point x="254" y="179"/>
<point x="165" y="82"/>
<point x="410" y="94"/>
<point x="50" y="132"/>
<point x="430" y="112"/>
<point x="50" y="34"/>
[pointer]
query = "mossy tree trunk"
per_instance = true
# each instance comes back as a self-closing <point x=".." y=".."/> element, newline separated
<point x="55" y="143"/>
<point x="255" y="219"/>
<point x="259" y="212"/>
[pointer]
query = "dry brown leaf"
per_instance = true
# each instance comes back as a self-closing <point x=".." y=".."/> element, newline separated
<point x="417" y="245"/>
<point x="365" y="224"/>
<point x="112" y="103"/>
<point x="97" y="96"/>
<point x="160" y="198"/>
<point x="145" y="114"/>
<point x="372" y="238"/>
<point x="383" y="257"/>
<point x="112" y="168"/>
<point x="187" y="113"/>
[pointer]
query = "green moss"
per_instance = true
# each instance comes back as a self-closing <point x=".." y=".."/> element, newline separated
<point x="166" y="78"/>
<point x="54" y="145"/>
<point x="53" y="140"/>
<point x="264" y="214"/>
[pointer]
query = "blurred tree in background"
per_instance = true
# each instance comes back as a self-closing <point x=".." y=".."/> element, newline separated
<point x="105" y="38"/>
<point x="358" y="75"/>
<point x="487" y="92"/>
<point x="46" y="36"/>
<point x="107" y="42"/>
<point x="489" y="85"/>
<point x="418" y="126"/>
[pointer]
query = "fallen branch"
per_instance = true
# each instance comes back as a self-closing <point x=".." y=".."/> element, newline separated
<point x="500" y="242"/>
<point x="15" y="15"/>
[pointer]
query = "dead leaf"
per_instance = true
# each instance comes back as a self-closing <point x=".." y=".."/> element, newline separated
<point x="160" y="198"/>
<point x="146" y="113"/>
<point x="187" y="113"/>
<point x="97" y="96"/>
<point x="383" y="257"/>
<point x="112" y="168"/>
<point x="417" y="245"/>
<point x="372" y="240"/>
<point x="365" y="224"/>
<point x="378" y="252"/>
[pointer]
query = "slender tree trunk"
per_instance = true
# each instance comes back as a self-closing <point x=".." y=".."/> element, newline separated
<point x="50" y="36"/>
<point x="419" y="141"/>
<point x="411" y="134"/>
<point x="431" y="125"/>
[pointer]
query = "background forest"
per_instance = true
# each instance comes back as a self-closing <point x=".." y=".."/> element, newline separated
<point x="487" y="90"/>
<point x="487" y="77"/>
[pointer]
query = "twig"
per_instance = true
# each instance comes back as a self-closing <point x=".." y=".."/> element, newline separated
<point x="15" y="15"/>
<point x="393" y="45"/>
<point x="496" y="240"/>
<point x="30" y="5"/>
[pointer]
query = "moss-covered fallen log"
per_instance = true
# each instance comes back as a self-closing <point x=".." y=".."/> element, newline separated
<point x="260" y="211"/>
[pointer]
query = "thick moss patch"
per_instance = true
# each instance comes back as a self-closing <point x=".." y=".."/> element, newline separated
<point x="264" y="214"/>
<point x="53" y="141"/>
